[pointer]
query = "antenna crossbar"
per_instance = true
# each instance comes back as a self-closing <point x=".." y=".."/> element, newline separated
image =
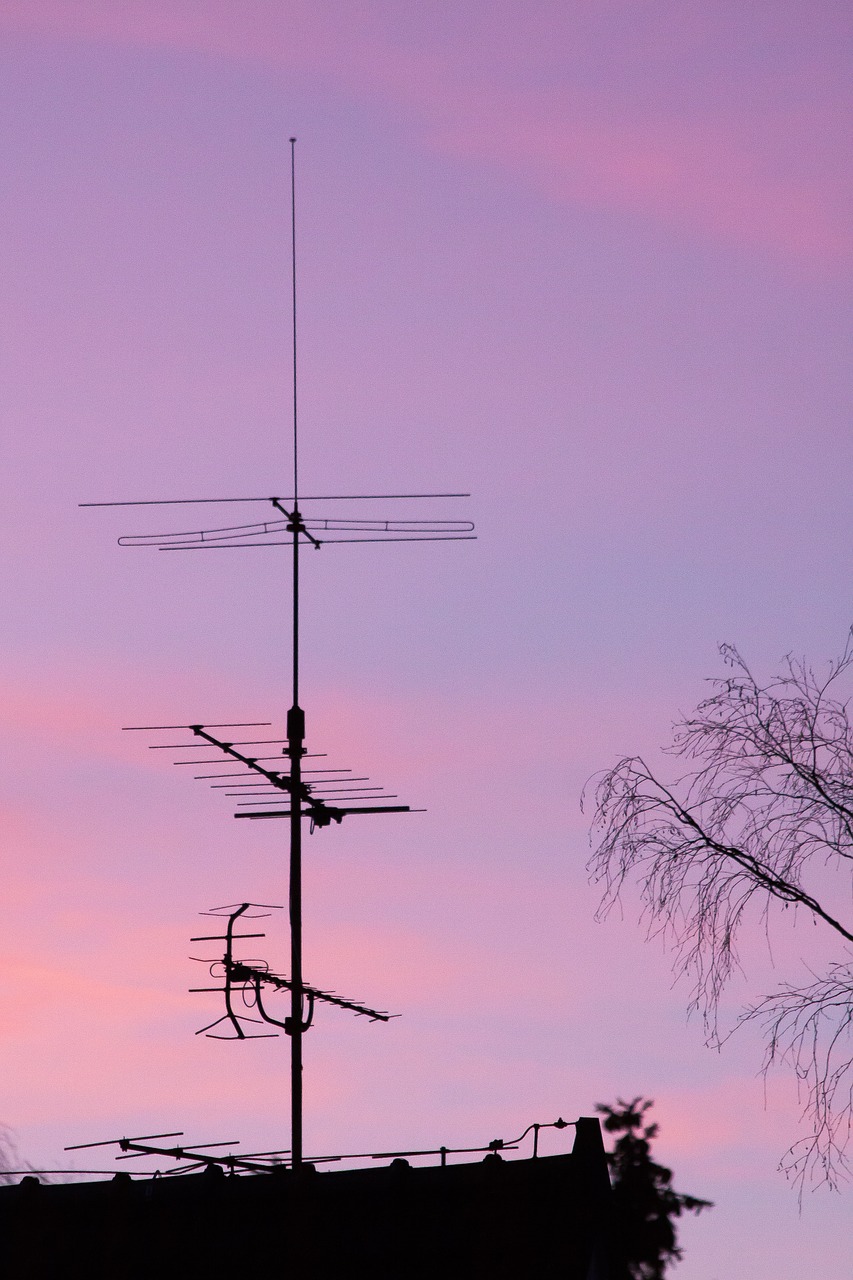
<point x="337" y="813"/>
<point x="313" y="497"/>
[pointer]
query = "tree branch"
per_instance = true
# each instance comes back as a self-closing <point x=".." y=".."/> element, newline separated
<point x="769" y="791"/>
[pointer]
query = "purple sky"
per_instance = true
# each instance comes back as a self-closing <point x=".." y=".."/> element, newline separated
<point x="588" y="260"/>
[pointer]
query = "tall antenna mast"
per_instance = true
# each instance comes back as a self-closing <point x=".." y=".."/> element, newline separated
<point x="295" y="751"/>
<point x="322" y="796"/>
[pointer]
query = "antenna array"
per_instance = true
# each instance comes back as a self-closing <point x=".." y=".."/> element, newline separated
<point x="200" y="1155"/>
<point x="320" y="796"/>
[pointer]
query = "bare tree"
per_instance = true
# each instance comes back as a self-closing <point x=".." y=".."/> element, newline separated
<point x="765" y="809"/>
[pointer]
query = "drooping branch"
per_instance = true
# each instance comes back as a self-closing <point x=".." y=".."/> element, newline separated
<point x="638" y="821"/>
<point x="766" y="804"/>
<point x="810" y="1028"/>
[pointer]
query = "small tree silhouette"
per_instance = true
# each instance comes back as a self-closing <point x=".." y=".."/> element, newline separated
<point x="645" y="1205"/>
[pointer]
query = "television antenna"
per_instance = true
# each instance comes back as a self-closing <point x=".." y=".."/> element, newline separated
<point x="290" y="524"/>
<point x="247" y="979"/>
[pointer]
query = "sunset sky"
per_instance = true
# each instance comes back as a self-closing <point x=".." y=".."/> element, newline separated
<point x="589" y="261"/>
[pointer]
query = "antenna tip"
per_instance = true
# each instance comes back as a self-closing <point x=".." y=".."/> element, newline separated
<point x="292" y="139"/>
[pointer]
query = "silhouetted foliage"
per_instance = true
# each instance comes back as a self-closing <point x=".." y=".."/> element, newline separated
<point x="767" y="807"/>
<point x="645" y="1205"/>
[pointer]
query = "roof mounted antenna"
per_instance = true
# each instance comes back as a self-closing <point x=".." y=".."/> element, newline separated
<point x="318" y="787"/>
<point x="194" y="1156"/>
<point x="298" y="1023"/>
<point x="305" y="796"/>
<point x="247" y="978"/>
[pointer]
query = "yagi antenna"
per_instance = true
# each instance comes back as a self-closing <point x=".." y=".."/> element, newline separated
<point x="290" y="792"/>
<point x="247" y="979"/>
<point x="323" y="796"/>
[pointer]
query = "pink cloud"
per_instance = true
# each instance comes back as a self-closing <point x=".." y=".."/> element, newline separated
<point x="700" y="178"/>
<point x="734" y="1129"/>
<point x="709" y="172"/>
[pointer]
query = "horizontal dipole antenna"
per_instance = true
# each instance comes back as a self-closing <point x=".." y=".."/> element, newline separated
<point x="314" y="497"/>
<point x="247" y="741"/>
<point x="243" y="724"/>
<point x="244" y="908"/>
<point x="111" y="1142"/>
<point x="260" y="528"/>
<point x="323" y="542"/>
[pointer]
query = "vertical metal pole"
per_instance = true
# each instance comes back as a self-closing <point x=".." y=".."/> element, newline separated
<point x="295" y="739"/>
<point x="295" y="748"/>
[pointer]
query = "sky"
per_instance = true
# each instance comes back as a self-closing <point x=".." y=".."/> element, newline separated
<point x="589" y="261"/>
